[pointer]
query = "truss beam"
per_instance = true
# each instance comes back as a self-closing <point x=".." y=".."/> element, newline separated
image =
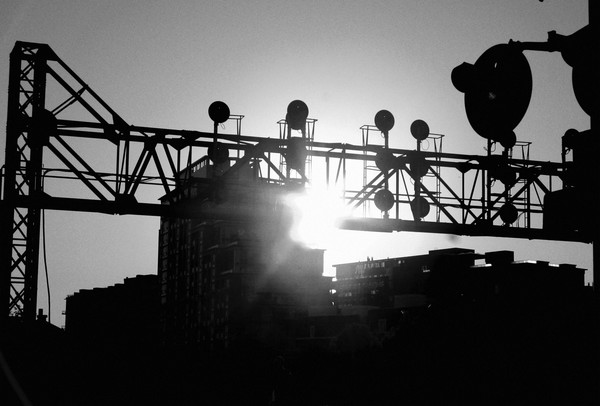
<point x="44" y="149"/>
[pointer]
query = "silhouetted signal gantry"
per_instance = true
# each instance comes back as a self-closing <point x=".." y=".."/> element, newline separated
<point x="52" y="163"/>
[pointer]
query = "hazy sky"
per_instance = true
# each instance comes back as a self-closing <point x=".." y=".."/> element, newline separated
<point x="160" y="63"/>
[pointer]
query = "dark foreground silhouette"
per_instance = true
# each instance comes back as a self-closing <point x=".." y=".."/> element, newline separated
<point x="452" y="355"/>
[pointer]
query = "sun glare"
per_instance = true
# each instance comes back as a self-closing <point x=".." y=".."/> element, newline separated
<point x="315" y="213"/>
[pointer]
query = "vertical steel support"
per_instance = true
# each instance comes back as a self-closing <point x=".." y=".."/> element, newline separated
<point x="594" y="116"/>
<point x="20" y="231"/>
<point x="593" y="21"/>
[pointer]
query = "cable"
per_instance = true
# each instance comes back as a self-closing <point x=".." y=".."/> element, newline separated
<point x="45" y="260"/>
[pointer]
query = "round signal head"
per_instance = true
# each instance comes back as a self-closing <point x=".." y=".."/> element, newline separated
<point x="463" y="77"/>
<point x="384" y="199"/>
<point x="218" y="112"/>
<point x="418" y="165"/>
<point x="419" y="130"/>
<point x="218" y="153"/>
<point x="578" y="50"/>
<point x="296" y="153"/>
<point x="420" y="207"/>
<point x="384" y="120"/>
<point x="505" y="174"/>
<point x="385" y="160"/>
<point x="497" y="93"/>
<point x="508" y="213"/>
<point x="297" y="113"/>
<point x="583" y="76"/>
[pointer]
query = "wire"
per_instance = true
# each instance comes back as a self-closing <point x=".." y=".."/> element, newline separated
<point x="43" y="214"/>
<point x="45" y="260"/>
<point x="44" y="256"/>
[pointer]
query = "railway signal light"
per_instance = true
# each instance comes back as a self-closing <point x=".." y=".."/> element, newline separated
<point x="418" y="165"/>
<point x="384" y="120"/>
<point x="497" y="92"/>
<point x="508" y="213"/>
<point x="385" y="160"/>
<point x="419" y="130"/>
<point x="297" y="113"/>
<point x="420" y="207"/>
<point x="578" y="51"/>
<point x="218" y="112"/>
<point x="384" y="200"/>
<point x="296" y="154"/>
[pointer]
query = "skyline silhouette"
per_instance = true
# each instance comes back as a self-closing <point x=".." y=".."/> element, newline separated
<point x="393" y="56"/>
<point x="153" y="140"/>
<point x="485" y="330"/>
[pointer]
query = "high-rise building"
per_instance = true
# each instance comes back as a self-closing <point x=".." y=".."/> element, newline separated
<point x="237" y="281"/>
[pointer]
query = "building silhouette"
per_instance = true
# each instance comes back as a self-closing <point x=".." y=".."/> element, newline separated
<point x="125" y="314"/>
<point x="449" y="326"/>
<point x="454" y="278"/>
<point x="395" y="282"/>
<point x="236" y="282"/>
<point x="454" y="326"/>
<point x="245" y="301"/>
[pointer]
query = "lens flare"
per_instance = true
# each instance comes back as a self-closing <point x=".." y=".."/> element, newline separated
<point x="315" y="215"/>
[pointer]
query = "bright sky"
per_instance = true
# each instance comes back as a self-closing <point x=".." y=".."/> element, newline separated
<point x="160" y="63"/>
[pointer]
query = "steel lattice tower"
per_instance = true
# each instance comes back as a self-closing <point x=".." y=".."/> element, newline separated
<point x="23" y="177"/>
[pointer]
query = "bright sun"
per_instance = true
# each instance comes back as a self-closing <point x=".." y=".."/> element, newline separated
<point x="315" y="214"/>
